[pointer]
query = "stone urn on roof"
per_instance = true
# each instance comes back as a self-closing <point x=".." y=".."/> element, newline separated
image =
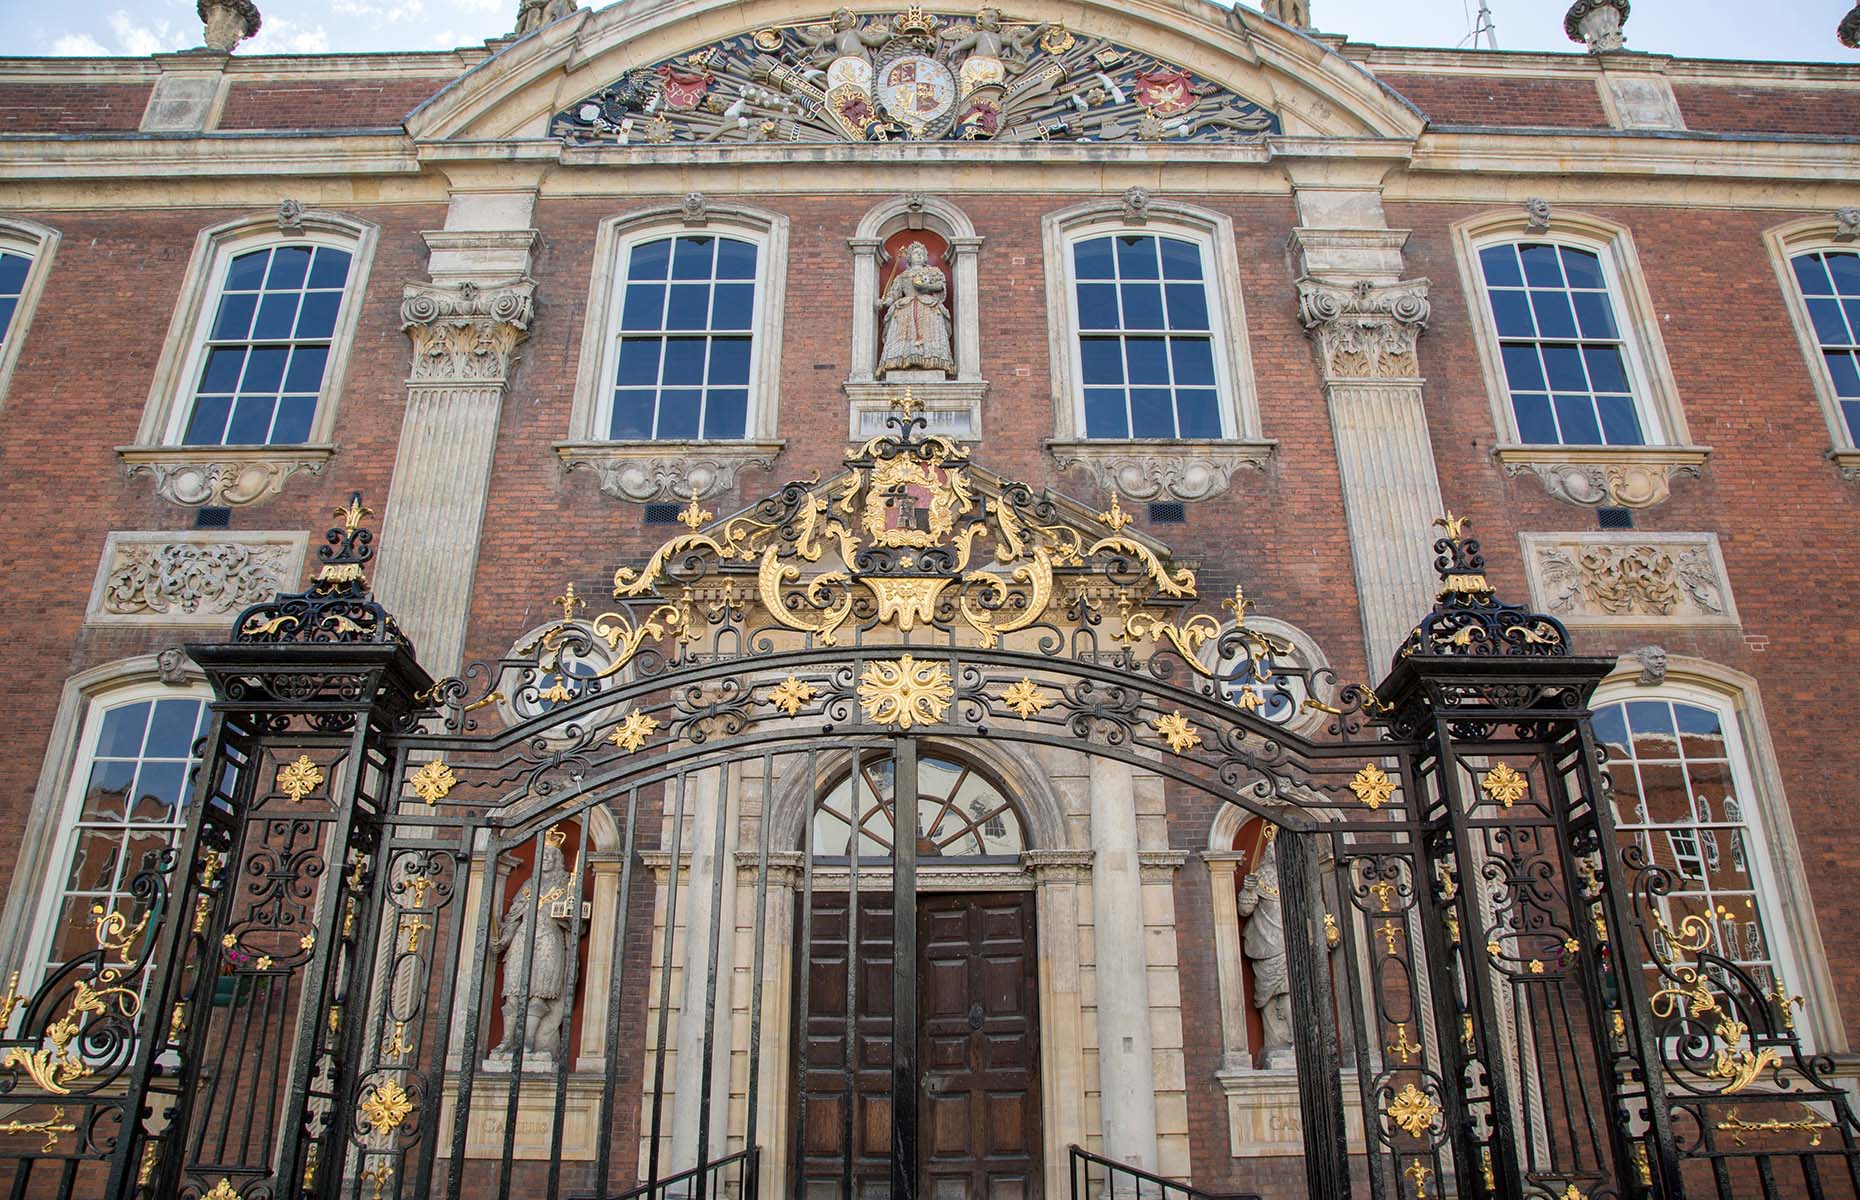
<point x="1597" y="24"/>
<point x="228" y="22"/>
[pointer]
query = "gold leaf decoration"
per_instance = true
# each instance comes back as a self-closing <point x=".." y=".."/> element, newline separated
<point x="1176" y="730"/>
<point x="1414" y="1111"/>
<point x="790" y="694"/>
<point x="1504" y="785"/>
<point x="387" y="1106"/>
<point x="300" y="778"/>
<point x="1025" y="698"/>
<point x="1373" y="786"/>
<point x="906" y="692"/>
<point x="223" y="1190"/>
<point x="433" y="781"/>
<point x="632" y="733"/>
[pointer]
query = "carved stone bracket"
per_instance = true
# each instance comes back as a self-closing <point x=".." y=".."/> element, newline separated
<point x="1848" y="461"/>
<point x="1160" y="866"/>
<point x="177" y="578"/>
<point x="1163" y="470"/>
<point x="1365" y="330"/>
<point x="466" y="332"/>
<point x="1629" y="579"/>
<point x="1058" y="866"/>
<point x="1597" y="24"/>
<point x="221" y="476"/>
<point x="1605" y="477"/>
<point x="653" y="472"/>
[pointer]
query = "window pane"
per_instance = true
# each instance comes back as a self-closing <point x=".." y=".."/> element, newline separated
<point x="7" y="305"/>
<point x="251" y="421"/>
<point x="1846" y="375"/>
<point x="1136" y="257"/>
<point x="644" y="307"/>
<point x="639" y="362"/>
<point x="1194" y="361"/>
<point x="650" y="260"/>
<point x="729" y="362"/>
<point x="264" y="369"/>
<point x="247" y="273"/>
<point x="684" y="361"/>
<point x="689" y="307"/>
<point x="1620" y="425"/>
<point x="1092" y="259"/>
<point x="1811" y="275"/>
<point x="1105" y="416"/>
<point x="1148" y="360"/>
<point x="277" y="316"/>
<point x="678" y="413"/>
<point x="693" y="257"/>
<point x="207" y="424"/>
<point x="292" y="423"/>
<point x="331" y="269"/>
<point x="1830" y="326"/>
<point x="735" y="260"/>
<point x="1101" y="360"/>
<point x="1541" y="268"/>
<point x="1535" y="424"/>
<point x="123" y="731"/>
<point x="1180" y="259"/>
<point x="171" y="731"/>
<point x="1701" y="734"/>
<point x="1199" y="414"/>
<point x="1524" y="371"/>
<point x="158" y="791"/>
<point x="290" y="265"/>
<point x="1564" y="364"/>
<point x="317" y="317"/>
<point x="734" y="306"/>
<point x="1607" y="373"/>
<point x="224" y="367"/>
<point x="1583" y="269"/>
<point x="1845" y="270"/>
<point x="1142" y="306"/>
<point x="306" y="370"/>
<point x="1097" y="306"/>
<point x="1152" y="413"/>
<point x="234" y="321"/>
<point x="1188" y="306"/>
<point x="1554" y="319"/>
<point x="724" y="412"/>
<point x="1576" y="418"/>
<point x="632" y="418"/>
<point x="13" y="274"/>
<point x="1511" y="311"/>
<point x="1850" y="412"/>
<point x="1593" y="315"/>
<point x="1500" y="264"/>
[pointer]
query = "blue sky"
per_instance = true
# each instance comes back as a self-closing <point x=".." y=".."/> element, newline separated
<point x="1787" y="29"/>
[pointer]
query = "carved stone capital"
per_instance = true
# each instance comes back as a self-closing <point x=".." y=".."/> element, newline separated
<point x="1605" y="477"/>
<point x="221" y="476"/>
<point x="1630" y="578"/>
<point x="1160" y="866"/>
<point x="1365" y="330"/>
<point x="662" y="472"/>
<point x="1162" y="470"/>
<point x="1597" y="23"/>
<point x="228" y="22"/>
<point x="466" y="332"/>
<point x="190" y="578"/>
<point x="1058" y="866"/>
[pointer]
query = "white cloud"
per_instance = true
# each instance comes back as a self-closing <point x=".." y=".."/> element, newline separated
<point x="143" y="40"/>
<point x="79" y="45"/>
<point x="380" y="11"/>
<point x="281" y="35"/>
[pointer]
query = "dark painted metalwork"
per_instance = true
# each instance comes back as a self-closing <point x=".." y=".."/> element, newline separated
<point x="1524" y="1020"/>
<point x="1113" y="1178"/>
<point x="904" y="1080"/>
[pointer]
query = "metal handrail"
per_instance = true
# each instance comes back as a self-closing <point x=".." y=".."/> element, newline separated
<point x="1079" y="1172"/>
<point x="699" y="1181"/>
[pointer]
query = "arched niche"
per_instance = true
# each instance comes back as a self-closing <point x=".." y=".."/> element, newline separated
<point x="952" y="405"/>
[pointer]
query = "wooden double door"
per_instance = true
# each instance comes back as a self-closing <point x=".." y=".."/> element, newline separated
<point x="975" y="1057"/>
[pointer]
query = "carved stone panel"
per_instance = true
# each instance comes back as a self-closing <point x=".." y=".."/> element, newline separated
<point x="200" y="579"/>
<point x="1603" y="579"/>
<point x="1162" y="470"/>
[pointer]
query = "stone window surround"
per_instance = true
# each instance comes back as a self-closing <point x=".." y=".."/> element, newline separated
<point x="38" y="243"/>
<point x="648" y="471"/>
<point x="1784" y="242"/>
<point x="167" y="675"/>
<point x="1591" y="476"/>
<point x="1154" y="468"/>
<point x="193" y="476"/>
<point x="1793" y="927"/>
<point x="965" y="392"/>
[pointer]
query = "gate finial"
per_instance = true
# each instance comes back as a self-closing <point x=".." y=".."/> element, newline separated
<point x="1469" y="618"/>
<point x="337" y="606"/>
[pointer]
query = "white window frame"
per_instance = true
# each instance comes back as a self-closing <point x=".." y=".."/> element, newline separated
<point x="25" y="928"/>
<point x="1772" y="853"/>
<point x="1785" y="242"/>
<point x="171" y="398"/>
<point x="38" y="244"/>
<point x="591" y="413"/>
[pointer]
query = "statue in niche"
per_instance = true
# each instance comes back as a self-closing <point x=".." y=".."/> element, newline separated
<point x="539" y="964"/>
<point x="915" y="316"/>
<point x="534" y="14"/>
<point x="1264" y="943"/>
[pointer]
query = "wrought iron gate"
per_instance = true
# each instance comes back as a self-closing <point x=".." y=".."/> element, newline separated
<point x="369" y="969"/>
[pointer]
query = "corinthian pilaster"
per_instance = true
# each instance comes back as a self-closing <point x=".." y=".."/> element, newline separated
<point x="1366" y="334"/>
<point x="465" y="337"/>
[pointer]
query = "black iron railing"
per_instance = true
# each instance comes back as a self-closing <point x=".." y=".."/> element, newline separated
<point x="1093" y="1176"/>
<point x="707" y="1181"/>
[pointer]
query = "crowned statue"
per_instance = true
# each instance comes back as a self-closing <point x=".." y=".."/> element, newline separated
<point x="535" y="942"/>
<point x="915" y="312"/>
<point x="1264" y="943"/>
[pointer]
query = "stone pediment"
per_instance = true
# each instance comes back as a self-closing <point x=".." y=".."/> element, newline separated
<point x="703" y="73"/>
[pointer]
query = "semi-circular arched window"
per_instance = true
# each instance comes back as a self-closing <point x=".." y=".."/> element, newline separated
<point x="961" y="813"/>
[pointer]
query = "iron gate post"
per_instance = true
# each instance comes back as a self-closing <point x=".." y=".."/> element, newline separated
<point x="1314" y="1021"/>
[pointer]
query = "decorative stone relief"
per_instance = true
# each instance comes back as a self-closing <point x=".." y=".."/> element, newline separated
<point x="1537" y="215"/>
<point x="221" y="476"/>
<point x="290" y="216"/>
<point x="1365" y="330"/>
<point x="1645" y="579"/>
<point x="1605" y="479"/>
<point x="1847" y="220"/>
<point x="1296" y="13"/>
<point x="172" y="664"/>
<point x="228" y="22"/>
<point x="1185" y="470"/>
<point x="467" y="332"/>
<point x="1652" y="660"/>
<point x="662" y="472"/>
<point x="1643" y="101"/>
<point x="173" y="578"/>
<point x="1136" y="205"/>
<point x="1597" y="23"/>
<point x="696" y="208"/>
<point x="534" y="14"/>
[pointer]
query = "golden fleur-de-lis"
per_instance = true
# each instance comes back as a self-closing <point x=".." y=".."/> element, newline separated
<point x="1504" y="785"/>
<point x="300" y="778"/>
<point x="1238" y="605"/>
<point x="790" y="694"/>
<point x="1455" y="526"/>
<point x="694" y="514"/>
<point x="1373" y="786"/>
<point x="1414" y="1110"/>
<point x="907" y="404"/>
<point x="387" y="1106"/>
<point x="569" y="601"/>
<point x="354" y="513"/>
<point x="1025" y="698"/>
<point x="223" y="1190"/>
<point x="1115" y="518"/>
<point x="1176" y="730"/>
<point x="433" y="781"/>
<point x="632" y="732"/>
